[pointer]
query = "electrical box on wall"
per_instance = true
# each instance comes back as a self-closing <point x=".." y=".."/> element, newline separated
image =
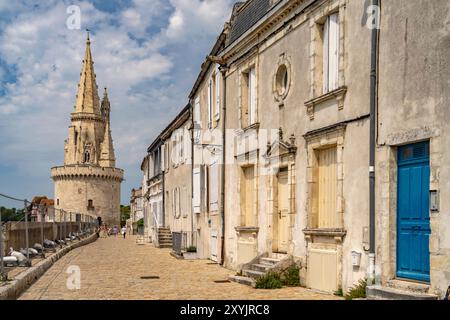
<point x="434" y="200"/>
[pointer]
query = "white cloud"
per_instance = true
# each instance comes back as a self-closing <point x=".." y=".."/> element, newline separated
<point x="148" y="77"/>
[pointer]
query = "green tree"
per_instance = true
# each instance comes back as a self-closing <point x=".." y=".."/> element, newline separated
<point x="11" y="214"/>
<point x="124" y="214"/>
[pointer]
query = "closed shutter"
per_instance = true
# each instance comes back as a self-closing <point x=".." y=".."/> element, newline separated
<point x="174" y="202"/>
<point x="325" y="50"/>
<point x="213" y="185"/>
<point x="196" y="178"/>
<point x="252" y="96"/>
<point x="217" y="108"/>
<point x="210" y="104"/>
<point x="180" y="145"/>
<point x="333" y="52"/>
<point x="162" y="155"/>
<point x="203" y="188"/>
<point x="180" y="199"/>
<point x="187" y="145"/>
<point x="327" y="180"/>
<point x="197" y="111"/>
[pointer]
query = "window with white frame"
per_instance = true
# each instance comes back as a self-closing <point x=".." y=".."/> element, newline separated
<point x="210" y="102"/>
<point x="330" y="36"/>
<point x="217" y="95"/>
<point x="213" y="186"/>
<point x="197" y="119"/>
<point x="248" y="98"/>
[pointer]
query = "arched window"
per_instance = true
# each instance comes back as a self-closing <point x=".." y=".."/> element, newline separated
<point x="87" y="156"/>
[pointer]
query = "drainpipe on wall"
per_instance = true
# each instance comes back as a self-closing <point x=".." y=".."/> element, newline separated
<point x="222" y="193"/>
<point x="223" y="68"/>
<point x="191" y="115"/>
<point x="373" y="113"/>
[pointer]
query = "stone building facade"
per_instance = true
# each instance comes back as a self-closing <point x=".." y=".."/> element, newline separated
<point x="412" y="189"/>
<point x="206" y="100"/>
<point x="89" y="181"/>
<point x="295" y="94"/>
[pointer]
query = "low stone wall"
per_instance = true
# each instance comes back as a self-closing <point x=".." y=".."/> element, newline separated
<point x="23" y="281"/>
<point x="15" y="233"/>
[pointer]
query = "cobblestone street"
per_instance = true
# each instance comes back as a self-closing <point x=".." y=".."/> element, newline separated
<point x="112" y="269"/>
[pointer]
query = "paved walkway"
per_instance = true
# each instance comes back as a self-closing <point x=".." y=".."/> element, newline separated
<point x="112" y="268"/>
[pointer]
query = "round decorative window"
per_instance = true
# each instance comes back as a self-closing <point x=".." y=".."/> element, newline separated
<point x="282" y="81"/>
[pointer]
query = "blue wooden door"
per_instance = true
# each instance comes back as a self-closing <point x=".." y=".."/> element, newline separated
<point x="413" y="217"/>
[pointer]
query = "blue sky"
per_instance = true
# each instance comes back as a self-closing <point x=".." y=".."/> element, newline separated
<point x="147" y="52"/>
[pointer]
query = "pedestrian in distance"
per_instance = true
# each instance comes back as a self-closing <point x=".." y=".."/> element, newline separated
<point x="124" y="232"/>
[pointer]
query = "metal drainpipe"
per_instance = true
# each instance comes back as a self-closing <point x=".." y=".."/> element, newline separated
<point x="373" y="112"/>
<point x="191" y="111"/>
<point x="222" y="195"/>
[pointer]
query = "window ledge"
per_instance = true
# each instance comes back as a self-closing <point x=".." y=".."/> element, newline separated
<point x="337" y="234"/>
<point x="338" y="94"/>
<point x="247" y="229"/>
<point x="254" y="126"/>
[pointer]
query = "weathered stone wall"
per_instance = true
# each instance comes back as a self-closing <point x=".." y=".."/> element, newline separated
<point x="75" y="189"/>
<point x="414" y="97"/>
<point x="293" y="45"/>
<point x="15" y="233"/>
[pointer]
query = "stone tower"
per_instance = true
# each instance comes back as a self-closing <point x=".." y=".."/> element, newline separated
<point x="89" y="182"/>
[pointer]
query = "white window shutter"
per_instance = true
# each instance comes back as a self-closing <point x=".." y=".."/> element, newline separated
<point x="179" y="202"/>
<point x="203" y="187"/>
<point x="326" y="40"/>
<point x="197" y="111"/>
<point x="196" y="196"/>
<point x="187" y="145"/>
<point x="181" y="143"/>
<point x="333" y="52"/>
<point x="252" y="96"/>
<point x="217" y="108"/>
<point x="163" y="154"/>
<point x="213" y="185"/>
<point x="209" y="104"/>
<point x="174" y="205"/>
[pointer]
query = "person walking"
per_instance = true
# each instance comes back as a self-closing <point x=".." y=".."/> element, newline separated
<point x="124" y="231"/>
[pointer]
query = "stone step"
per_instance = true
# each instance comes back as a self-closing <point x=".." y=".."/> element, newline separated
<point x="271" y="261"/>
<point x="261" y="267"/>
<point x="165" y="242"/>
<point x="386" y="293"/>
<point x="163" y="245"/>
<point x="243" y="280"/>
<point x="406" y="285"/>
<point x="165" y="237"/>
<point x="252" y="273"/>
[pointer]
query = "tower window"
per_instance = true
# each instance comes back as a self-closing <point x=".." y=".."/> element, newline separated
<point x="87" y="156"/>
<point x="90" y="204"/>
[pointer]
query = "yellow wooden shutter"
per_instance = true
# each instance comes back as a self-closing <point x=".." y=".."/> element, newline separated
<point x="327" y="188"/>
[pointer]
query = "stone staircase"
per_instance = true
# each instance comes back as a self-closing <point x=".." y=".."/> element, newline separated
<point x="256" y="269"/>
<point x="164" y="237"/>
<point x="397" y="289"/>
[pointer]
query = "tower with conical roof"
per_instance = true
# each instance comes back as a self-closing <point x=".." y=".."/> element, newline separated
<point x="89" y="181"/>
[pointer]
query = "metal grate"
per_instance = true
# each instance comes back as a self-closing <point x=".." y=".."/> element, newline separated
<point x="149" y="277"/>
